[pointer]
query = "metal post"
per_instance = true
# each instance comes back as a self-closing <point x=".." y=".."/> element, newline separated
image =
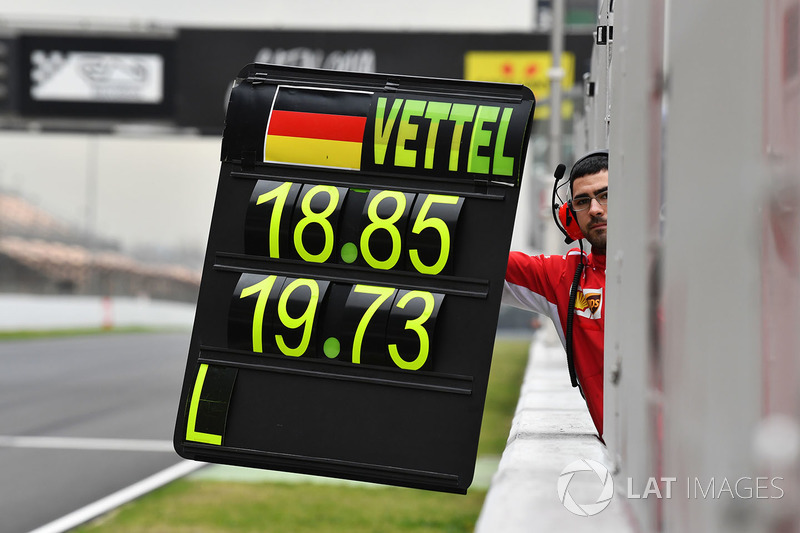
<point x="553" y="241"/>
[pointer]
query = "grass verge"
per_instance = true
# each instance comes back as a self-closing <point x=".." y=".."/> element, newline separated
<point x="202" y="506"/>
<point x="214" y="507"/>
<point x="74" y="332"/>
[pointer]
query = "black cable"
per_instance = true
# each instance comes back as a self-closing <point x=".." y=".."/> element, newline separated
<point x="573" y="294"/>
<point x="559" y="173"/>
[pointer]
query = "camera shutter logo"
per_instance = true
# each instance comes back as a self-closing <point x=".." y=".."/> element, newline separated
<point x="585" y="509"/>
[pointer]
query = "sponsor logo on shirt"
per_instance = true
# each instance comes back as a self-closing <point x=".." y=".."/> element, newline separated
<point x="589" y="303"/>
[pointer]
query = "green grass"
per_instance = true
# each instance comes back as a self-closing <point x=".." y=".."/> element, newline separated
<point x="73" y="332"/>
<point x="208" y="506"/>
<point x="508" y="369"/>
<point x="201" y="506"/>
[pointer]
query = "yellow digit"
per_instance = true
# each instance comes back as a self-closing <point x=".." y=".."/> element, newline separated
<point x="387" y="224"/>
<point x="306" y="320"/>
<point x="383" y="294"/>
<point x="194" y="405"/>
<point x="263" y="289"/>
<point x="279" y="194"/>
<point x="416" y="325"/>
<point x="422" y="222"/>
<point x="320" y="218"/>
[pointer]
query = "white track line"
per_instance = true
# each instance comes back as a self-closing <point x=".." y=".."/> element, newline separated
<point x="112" y="501"/>
<point x="76" y="443"/>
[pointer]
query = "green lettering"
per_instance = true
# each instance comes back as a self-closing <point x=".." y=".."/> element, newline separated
<point x="263" y="288"/>
<point x="436" y="112"/>
<point x="422" y="222"/>
<point x="383" y="130"/>
<point x="408" y="132"/>
<point x="383" y="294"/>
<point x="460" y="114"/>
<point x="481" y="137"/>
<point x="306" y="320"/>
<point x="387" y="224"/>
<point x="191" y="426"/>
<point x="416" y="325"/>
<point x="279" y="194"/>
<point x="321" y="219"/>
<point x="503" y="165"/>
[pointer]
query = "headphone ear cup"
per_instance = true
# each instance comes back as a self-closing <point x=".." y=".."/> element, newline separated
<point x="568" y="219"/>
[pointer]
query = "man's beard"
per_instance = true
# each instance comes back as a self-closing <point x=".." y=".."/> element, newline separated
<point x="598" y="241"/>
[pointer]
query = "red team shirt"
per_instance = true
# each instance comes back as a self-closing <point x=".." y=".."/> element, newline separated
<point x="542" y="283"/>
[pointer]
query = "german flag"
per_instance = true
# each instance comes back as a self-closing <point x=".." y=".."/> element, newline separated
<point x="317" y="127"/>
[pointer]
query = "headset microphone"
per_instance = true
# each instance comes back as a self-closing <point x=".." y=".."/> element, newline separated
<point x="559" y="173"/>
<point x="563" y="215"/>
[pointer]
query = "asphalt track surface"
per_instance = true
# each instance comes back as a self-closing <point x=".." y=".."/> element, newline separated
<point x="82" y="418"/>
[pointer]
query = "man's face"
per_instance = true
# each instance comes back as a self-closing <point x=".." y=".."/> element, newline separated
<point x="592" y="221"/>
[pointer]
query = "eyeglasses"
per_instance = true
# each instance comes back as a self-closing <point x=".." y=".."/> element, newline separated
<point x="582" y="203"/>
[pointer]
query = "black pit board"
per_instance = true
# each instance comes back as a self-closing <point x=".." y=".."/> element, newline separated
<point x="353" y="276"/>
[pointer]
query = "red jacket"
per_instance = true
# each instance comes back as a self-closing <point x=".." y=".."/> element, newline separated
<point x="541" y="283"/>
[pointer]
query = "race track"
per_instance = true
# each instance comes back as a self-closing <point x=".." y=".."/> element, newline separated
<point x="83" y="417"/>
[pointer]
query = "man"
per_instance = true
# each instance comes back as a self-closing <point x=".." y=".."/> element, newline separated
<point x="542" y="283"/>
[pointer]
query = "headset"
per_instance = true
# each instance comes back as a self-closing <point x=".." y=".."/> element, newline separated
<point x="563" y="214"/>
<point x="567" y="221"/>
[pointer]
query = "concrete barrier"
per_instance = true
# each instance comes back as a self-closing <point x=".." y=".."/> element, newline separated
<point x="38" y="312"/>
<point x="551" y="430"/>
